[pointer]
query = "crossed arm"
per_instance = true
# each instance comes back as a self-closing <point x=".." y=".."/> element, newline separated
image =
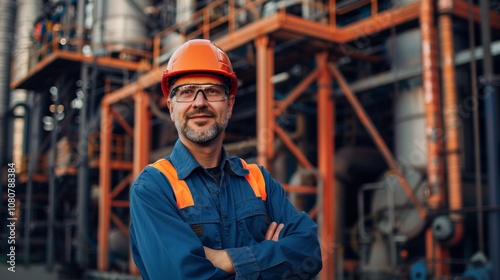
<point x="158" y="250"/>
<point x="221" y="259"/>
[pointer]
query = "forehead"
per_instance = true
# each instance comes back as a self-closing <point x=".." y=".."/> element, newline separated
<point x="198" y="79"/>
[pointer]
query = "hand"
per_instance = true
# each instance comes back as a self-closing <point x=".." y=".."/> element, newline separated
<point x="220" y="259"/>
<point x="273" y="231"/>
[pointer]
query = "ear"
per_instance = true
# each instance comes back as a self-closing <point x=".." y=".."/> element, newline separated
<point x="230" y="105"/>
<point x="170" y="105"/>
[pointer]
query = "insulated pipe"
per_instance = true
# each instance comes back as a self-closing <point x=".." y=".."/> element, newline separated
<point x="451" y="127"/>
<point x="433" y="124"/>
<point x="434" y="131"/>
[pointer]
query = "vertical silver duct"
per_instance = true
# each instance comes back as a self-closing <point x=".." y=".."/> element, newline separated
<point x="26" y="9"/>
<point x="83" y="172"/>
<point x="7" y="22"/>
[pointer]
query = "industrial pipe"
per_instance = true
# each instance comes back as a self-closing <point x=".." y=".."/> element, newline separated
<point x="451" y="128"/>
<point x="433" y="130"/>
<point x="433" y="124"/>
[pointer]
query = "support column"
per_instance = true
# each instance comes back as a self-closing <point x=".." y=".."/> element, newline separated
<point x="491" y="130"/>
<point x="83" y="174"/>
<point x="265" y="101"/>
<point x="142" y="144"/>
<point x="326" y="140"/>
<point x="51" y="219"/>
<point x="105" y="187"/>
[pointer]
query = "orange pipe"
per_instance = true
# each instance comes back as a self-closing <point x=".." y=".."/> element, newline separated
<point x="436" y="256"/>
<point x="451" y="125"/>
<point x="326" y="140"/>
<point x="434" y="130"/>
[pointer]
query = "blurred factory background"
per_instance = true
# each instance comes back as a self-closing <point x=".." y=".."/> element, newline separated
<point x="380" y="118"/>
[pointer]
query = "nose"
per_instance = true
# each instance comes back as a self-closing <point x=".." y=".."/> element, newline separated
<point x="200" y="100"/>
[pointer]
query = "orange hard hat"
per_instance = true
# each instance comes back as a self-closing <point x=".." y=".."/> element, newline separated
<point x="199" y="56"/>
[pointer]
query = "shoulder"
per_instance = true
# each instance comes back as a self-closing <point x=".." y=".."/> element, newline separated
<point x="150" y="179"/>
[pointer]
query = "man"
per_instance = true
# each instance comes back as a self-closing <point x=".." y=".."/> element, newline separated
<point x="201" y="214"/>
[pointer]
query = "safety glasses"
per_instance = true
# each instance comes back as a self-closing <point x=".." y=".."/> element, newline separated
<point x="187" y="93"/>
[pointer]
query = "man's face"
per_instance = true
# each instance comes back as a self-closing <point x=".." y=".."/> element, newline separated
<point x="200" y="121"/>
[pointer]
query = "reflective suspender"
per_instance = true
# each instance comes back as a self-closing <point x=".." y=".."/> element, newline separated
<point x="181" y="190"/>
<point x="256" y="180"/>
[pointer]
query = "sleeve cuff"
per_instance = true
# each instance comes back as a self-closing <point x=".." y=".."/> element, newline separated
<point x="245" y="263"/>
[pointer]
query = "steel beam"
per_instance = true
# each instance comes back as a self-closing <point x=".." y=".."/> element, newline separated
<point x="265" y="120"/>
<point x="105" y="186"/>
<point x="326" y="139"/>
<point x="379" y="141"/>
<point x="142" y="143"/>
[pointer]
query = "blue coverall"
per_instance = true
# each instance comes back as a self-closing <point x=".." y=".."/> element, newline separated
<point x="167" y="242"/>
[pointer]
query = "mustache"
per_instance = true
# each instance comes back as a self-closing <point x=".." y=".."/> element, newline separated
<point x="200" y="112"/>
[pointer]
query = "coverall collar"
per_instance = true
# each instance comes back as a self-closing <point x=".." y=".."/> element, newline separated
<point x="185" y="163"/>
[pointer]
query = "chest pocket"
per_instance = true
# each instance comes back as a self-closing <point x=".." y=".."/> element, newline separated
<point x="249" y="212"/>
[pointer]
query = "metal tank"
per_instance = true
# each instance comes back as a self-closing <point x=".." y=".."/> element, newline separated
<point x="409" y="130"/>
<point x="119" y="25"/>
<point x="405" y="52"/>
<point x="392" y="215"/>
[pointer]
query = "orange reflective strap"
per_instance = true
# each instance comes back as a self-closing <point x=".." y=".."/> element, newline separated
<point x="183" y="194"/>
<point x="181" y="190"/>
<point x="255" y="179"/>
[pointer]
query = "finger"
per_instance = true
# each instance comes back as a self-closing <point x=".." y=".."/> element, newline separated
<point x="270" y="231"/>
<point x="277" y="232"/>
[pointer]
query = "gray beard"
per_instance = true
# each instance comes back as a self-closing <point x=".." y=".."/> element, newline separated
<point x="202" y="137"/>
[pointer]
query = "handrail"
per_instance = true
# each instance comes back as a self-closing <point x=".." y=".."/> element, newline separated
<point x="40" y="166"/>
<point x="121" y="150"/>
<point x="54" y="41"/>
<point x="207" y="25"/>
<point x="218" y="18"/>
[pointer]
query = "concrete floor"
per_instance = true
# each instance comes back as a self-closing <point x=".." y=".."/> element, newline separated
<point x="23" y="273"/>
<point x="39" y="272"/>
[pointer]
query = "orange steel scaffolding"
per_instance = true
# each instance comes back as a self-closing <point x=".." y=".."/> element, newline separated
<point x="261" y="32"/>
<point x="108" y="195"/>
<point x="326" y="139"/>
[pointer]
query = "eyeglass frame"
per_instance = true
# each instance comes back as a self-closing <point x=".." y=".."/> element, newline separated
<point x="173" y="93"/>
